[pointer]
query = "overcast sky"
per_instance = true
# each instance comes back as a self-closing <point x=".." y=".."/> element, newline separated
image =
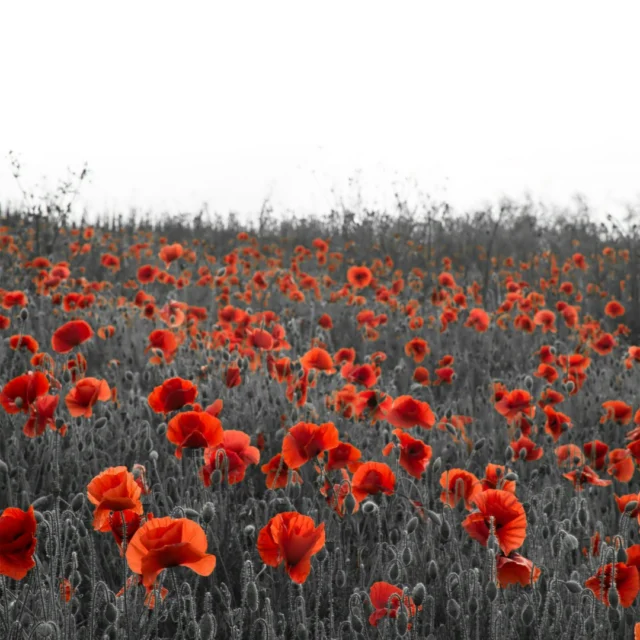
<point x="174" y="104"/>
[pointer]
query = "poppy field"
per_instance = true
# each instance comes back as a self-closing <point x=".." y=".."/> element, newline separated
<point x="344" y="428"/>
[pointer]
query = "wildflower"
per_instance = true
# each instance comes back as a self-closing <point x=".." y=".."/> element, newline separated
<point x="386" y="599"/>
<point x="172" y="394"/>
<point x="17" y="542"/>
<point x="239" y="455"/>
<point x="194" y="430"/>
<point x="70" y="335"/>
<point x="115" y="489"/>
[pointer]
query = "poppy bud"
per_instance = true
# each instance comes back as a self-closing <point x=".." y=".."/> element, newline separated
<point x="18" y="402"/>
<point x="453" y="609"/>
<point x="527" y="615"/>
<point x="350" y="503"/>
<point x="573" y="586"/>
<point x="613" y="614"/>
<point x="341" y="579"/>
<point x="479" y="444"/>
<point x="528" y="383"/>
<point x="445" y="531"/>
<point x="153" y="456"/>
<point x="78" y="502"/>
<point x="418" y="594"/>
<point x="110" y="613"/>
<point x="356" y="623"/>
<point x="402" y="622"/>
<point x="249" y="531"/>
<point x="99" y="423"/>
<point x="208" y="512"/>
<point x="128" y="376"/>
<point x="621" y="555"/>
<point x="437" y="463"/>
<point x="630" y="506"/>
<point x="412" y="525"/>
<point x="473" y="605"/>
<point x="207" y="626"/>
<point x="394" y="572"/>
<point x="508" y="454"/>
<point x="432" y="570"/>
<point x="24" y="315"/>
<point x="252" y="596"/>
<point x="491" y="591"/>
<point x="407" y="556"/>
<point x="434" y="517"/>
<point x="301" y="632"/>
<point x="512" y="476"/>
<point x="589" y="625"/>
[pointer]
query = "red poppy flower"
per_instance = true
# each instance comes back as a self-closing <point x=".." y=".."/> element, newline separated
<point x="70" y="335"/>
<point x="232" y="377"/>
<point x="164" y="543"/>
<point x="172" y="394"/>
<point x="164" y="341"/>
<point x="170" y="253"/>
<point x="319" y="359"/>
<point x="614" y="309"/>
<point x="623" y="501"/>
<point x="118" y="528"/>
<point x="621" y="465"/>
<point x="418" y="349"/>
<point x="17" y="542"/>
<point x="407" y="412"/>
<point x="595" y="452"/>
<point x="516" y="569"/>
<point x="18" y="394"/>
<point x="586" y="475"/>
<point x="147" y="274"/>
<point x="372" y="478"/>
<point x="373" y="405"/>
<point x="618" y="411"/>
<point x="239" y="453"/>
<point x="24" y="342"/>
<point x="507" y="514"/>
<point x="364" y="374"/>
<point x="556" y="422"/>
<point x="569" y="456"/>
<point x="531" y="450"/>
<point x="306" y="440"/>
<point x="359" y="277"/>
<point x="386" y="599"/>
<point x="277" y="473"/>
<point x="604" y="344"/>
<point x="547" y="372"/>
<point x="494" y="478"/>
<point x="291" y="538"/>
<point x="41" y="416"/>
<point x="458" y="484"/>
<point x="115" y="489"/>
<point x="421" y="376"/>
<point x="627" y="583"/>
<point x="515" y="402"/>
<point x="12" y="299"/>
<point x="85" y="394"/>
<point x="414" y="454"/>
<point x="478" y="319"/>
<point x="194" y="430"/>
<point x="345" y="455"/>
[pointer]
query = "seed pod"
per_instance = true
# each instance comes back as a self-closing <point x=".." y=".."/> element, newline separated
<point x="369" y="508"/>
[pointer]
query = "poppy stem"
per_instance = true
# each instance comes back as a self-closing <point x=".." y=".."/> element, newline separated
<point x="175" y="588"/>
<point x="124" y="572"/>
<point x="5" y="599"/>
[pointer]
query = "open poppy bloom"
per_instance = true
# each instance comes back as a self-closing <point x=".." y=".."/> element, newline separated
<point x="130" y="525"/>
<point x="17" y="542"/>
<point x="618" y="411"/>
<point x="24" y="342"/>
<point x="172" y="394"/>
<point x="171" y="253"/>
<point x="318" y="359"/>
<point x="494" y="478"/>
<point x="386" y="599"/>
<point x="458" y="484"/>
<point x="626" y="579"/>
<point x="585" y="475"/>
<point x="407" y="412"/>
<point x="514" y="403"/>
<point x="239" y="453"/>
<point x="516" y="569"/>
<point x="85" y="394"/>
<point x="194" y="430"/>
<point x="115" y="489"/>
<point x="595" y="453"/>
<point x="164" y="543"/>
<point x="509" y="519"/>
<point x="291" y="538"/>
<point x="414" y="453"/>
<point x="359" y="277"/>
<point x="70" y="335"/>
<point x="345" y="455"/>
<point x="621" y="465"/>
<point x="164" y="341"/>
<point x="18" y="394"/>
<point x="372" y="478"/>
<point x="306" y="440"/>
<point x="277" y="472"/>
<point x="41" y="415"/>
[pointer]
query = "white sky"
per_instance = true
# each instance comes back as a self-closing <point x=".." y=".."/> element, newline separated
<point x="174" y="104"/>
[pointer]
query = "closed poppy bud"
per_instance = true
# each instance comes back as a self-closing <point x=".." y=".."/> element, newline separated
<point x="252" y="596"/>
<point x="418" y="594"/>
<point x="491" y="591"/>
<point x="412" y="525"/>
<point x="527" y="615"/>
